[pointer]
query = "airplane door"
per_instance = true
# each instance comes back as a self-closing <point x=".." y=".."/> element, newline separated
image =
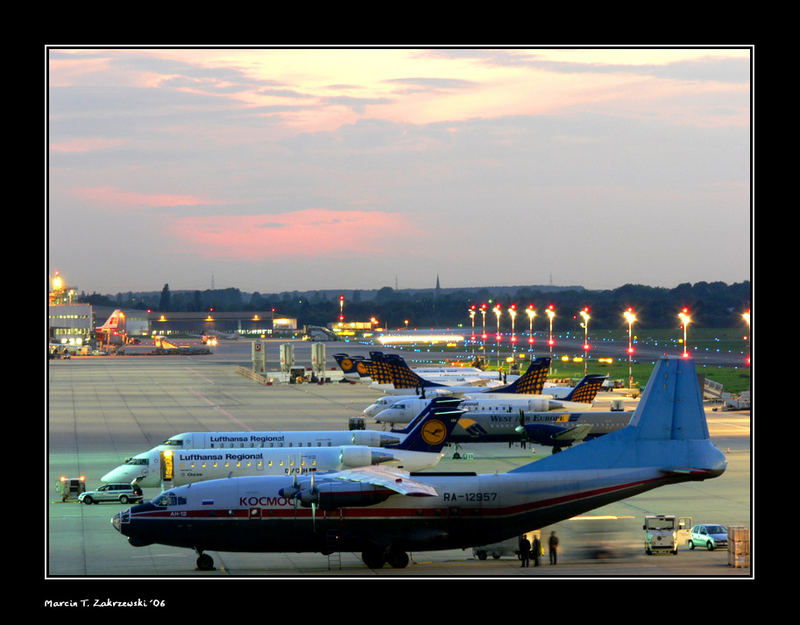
<point x="167" y="467"/>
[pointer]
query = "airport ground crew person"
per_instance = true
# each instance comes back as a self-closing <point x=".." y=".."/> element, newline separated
<point x="525" y="551"/>
<point x="536" y="550"/>
<point x="553" y="545"/>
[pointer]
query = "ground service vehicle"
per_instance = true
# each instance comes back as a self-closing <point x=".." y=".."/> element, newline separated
<point x="71" y="487"/>
<point x="121" y="492"/>
<point x="663" y="532"/>
<point x="712" y="535"/>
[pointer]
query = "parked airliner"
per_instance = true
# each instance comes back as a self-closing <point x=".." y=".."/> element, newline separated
<point x="385" y="513"/>
<point x="419" y="449"/>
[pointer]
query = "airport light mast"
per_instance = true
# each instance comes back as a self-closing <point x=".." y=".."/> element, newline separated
<point x="746" y="317"/>
<point x="497" y="309"/>
<point x="685" y="321"/>
<point x="550" y="312"/>
<point x="512" y="311"/>
<point x="531" y="312"/>
<point x="585" y="325"/>
<point x="472" y="319"/>
<point x="483" y="335"/>
<point x="630" y="318"/>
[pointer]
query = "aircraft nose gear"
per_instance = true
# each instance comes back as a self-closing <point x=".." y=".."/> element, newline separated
<point x="204" y="561"/>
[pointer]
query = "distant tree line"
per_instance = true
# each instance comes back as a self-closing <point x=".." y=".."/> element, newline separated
<point x="711" y="304"/>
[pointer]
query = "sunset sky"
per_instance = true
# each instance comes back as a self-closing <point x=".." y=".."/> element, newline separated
<point x="325" y="168"/>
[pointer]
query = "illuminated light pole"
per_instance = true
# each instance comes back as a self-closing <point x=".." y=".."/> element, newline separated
<point x="746" y="317"/>
<point x="483" y="334"/>
<point x="472" y="318"/>
<point x="685" y="321"/>
<point x="550" y="312"/>
<point x="497" y="309"/>
<point x="341" y="308"/>
<point x="531" y="312"/>
<point x="585" y="326"/>
<point x="512" y="310"/>
<point x="630" y="318"/>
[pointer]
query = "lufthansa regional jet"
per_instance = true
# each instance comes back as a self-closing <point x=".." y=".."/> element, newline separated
<point x="385" y="513"/>
<point x="420" y="448"/>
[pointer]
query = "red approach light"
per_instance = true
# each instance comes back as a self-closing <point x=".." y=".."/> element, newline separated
<point x="551" y="342"/>
<point x="484" y="336"/>
<point x="472" y="338"/>
<point x="531" y="340"/>
<point x="685" y="354"/>
<point x="747" y="360"/>
<point x="513" y="339"/>
<point x="586" y="347"/>
<point x="498" y="338"/>
<point x="341" y="317"/>
<point x="630" y="350"/>
<point x="483" y="306"/>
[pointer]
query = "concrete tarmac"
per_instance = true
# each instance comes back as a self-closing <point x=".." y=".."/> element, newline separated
<point x="102" y="410"/>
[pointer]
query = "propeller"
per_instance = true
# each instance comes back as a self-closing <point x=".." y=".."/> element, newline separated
<point x="521" y="427"/>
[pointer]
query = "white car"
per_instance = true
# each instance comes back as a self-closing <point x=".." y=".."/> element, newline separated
<point x="710" y="536"/>
<point x="120" y="492"/>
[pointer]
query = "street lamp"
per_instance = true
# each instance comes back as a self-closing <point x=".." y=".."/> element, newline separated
<point x="512" y="310"/>
<point x="497" y="309"/>
<point x="630" y="318"/>
<point x="531" y="312"/>
<point x="341" y="308"/>
<point x="746" y="317"/>
<point x="472" y="318"/>
<point x="585" y="326"/>
<point x="550" y="312"/>
<point x="685" y="321"/>
<point x="483" y="334"/>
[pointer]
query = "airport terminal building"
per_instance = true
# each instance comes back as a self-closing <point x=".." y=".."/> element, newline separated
<point x="242" y="323"/>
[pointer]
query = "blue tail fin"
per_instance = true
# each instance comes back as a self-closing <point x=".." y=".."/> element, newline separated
<point x="432" y="427"/>
<point x="586" y="390"/>
<point x="347" y="363"/>
<point x="668" y="432"/>
<point x="379" y="371"/>
<point x="399" y="373"/>
<point x="529" y="383"/>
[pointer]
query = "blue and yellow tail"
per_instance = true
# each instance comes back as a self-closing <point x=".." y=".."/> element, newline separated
<point x="529" y="383"/>
<point x="431" y="428"/>
<point x="393" y="369"/>
<point x="586" y="390"/>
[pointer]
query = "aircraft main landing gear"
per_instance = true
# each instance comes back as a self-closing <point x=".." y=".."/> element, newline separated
<point x="205" y="562"/>
<point x="376" y="557"/>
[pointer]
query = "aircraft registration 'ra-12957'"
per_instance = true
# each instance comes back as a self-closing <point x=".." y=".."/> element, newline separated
<point x="420" y="448"/>
<point x="384" y="513"/>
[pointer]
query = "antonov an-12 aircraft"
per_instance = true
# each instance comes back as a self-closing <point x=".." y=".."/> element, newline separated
<point x="419" y="449"/>
<point x="386" y="513"/>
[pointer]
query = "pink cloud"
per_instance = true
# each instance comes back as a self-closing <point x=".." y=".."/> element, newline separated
<point x="305" y="233"/>
<point x="111" y="197"/>
<point x="88" y="144"/>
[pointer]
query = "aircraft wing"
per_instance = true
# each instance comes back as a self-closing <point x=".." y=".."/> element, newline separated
<point x="577" y="433"/>
<point x="393" y="479"/>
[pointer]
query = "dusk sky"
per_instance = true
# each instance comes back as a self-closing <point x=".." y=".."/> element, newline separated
<point x="303" y="169"/>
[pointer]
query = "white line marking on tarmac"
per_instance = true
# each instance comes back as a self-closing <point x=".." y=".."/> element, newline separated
<point x="223" y="411"/>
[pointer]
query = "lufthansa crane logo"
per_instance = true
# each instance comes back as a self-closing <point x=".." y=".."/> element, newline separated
<point x="434" y="432"/>
<point x="347" y="364"/>
<point x="361" y="368"/>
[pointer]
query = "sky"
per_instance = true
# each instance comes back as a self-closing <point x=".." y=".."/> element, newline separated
<point x="275" y="169"/>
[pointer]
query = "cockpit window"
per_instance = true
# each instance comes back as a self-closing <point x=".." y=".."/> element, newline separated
<point x="169" y="499"/>
<point x="173" y="442"/>
<point x="138" y="461"/>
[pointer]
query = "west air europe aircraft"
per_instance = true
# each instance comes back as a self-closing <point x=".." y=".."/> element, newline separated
<point x="420" y="448"/>
<point x="385" y="513"/>
<point x="555" y="429"/>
